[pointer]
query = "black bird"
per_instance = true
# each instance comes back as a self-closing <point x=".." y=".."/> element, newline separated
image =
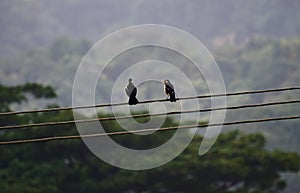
<point x="169" y="90"/>
<point x="131" y="91"/>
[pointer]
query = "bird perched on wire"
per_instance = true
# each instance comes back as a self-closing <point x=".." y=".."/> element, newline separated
<point x="169" y="90"/>
<point x="131" y="92"/>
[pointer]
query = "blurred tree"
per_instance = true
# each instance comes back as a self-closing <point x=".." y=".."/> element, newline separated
<point x="17" y="94"/>
<point x="237" y="163"/>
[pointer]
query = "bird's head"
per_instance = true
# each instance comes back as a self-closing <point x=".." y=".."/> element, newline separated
<point x="166" y="81"/>
<point x="130" y="80"/>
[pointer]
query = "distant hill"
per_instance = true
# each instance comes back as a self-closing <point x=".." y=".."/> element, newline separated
<point x="31" y="24"/>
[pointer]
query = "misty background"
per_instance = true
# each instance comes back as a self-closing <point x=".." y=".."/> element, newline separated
<point x="255" y="43"/>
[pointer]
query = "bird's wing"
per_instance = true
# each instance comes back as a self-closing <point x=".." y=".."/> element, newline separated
<point x="133" y="92"/>
<point x="168" y="89"/>
<point x="171" y="85"/>
<point x="128" y="92"/>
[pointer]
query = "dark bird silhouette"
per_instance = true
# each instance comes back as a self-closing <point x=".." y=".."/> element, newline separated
<point x="131" y="92"/>
<point x="169" y="90"/>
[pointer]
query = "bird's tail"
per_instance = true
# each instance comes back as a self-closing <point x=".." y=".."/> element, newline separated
<point x="133" y="101"/>
<point x="172" y="97"/>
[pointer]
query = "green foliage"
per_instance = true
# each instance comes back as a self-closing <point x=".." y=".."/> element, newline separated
<point x="38" y="90"/>
<point x="236" y="163"/>
<point x="17" y="94"/>
<point x="261" y="63"/>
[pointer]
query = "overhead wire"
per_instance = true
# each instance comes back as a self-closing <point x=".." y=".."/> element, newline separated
<point x="147" y="115"/>
<point x="44" y="139"/>
<point x="152" y="101"/>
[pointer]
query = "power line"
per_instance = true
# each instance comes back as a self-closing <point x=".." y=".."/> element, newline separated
<point x="151" y="101"/>
<point x="147" y="130"/>
<point x="147" y="115"/>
